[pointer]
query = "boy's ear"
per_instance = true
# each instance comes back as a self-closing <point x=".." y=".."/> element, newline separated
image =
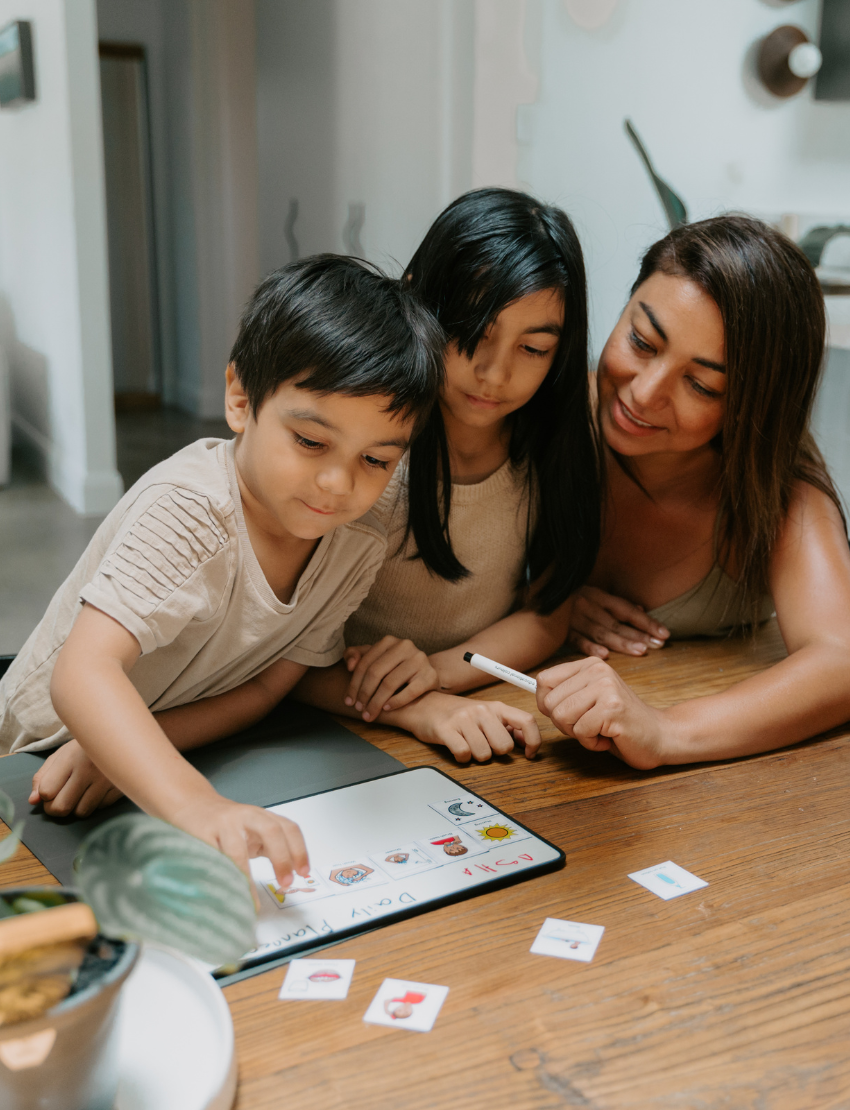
<point x="237" y="408"/>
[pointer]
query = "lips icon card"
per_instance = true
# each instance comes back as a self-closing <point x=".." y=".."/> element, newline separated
<point x="315" y="979"/>
<point x="462" y="809"/>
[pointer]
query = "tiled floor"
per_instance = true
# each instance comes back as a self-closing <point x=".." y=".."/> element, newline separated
<point x="41" y="537"/>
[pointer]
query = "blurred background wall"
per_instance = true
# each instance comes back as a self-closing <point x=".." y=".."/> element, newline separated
<point x="277" y="128"/>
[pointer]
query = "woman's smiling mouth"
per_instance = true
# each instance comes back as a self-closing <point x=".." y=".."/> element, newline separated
<point x="624" y="418"/>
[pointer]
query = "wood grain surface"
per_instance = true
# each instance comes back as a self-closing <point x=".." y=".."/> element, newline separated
<point x="736" y="996"/>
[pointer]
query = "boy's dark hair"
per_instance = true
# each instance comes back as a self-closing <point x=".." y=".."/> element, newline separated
<point x="488" y="249"/>
<point x="341" y="326"/>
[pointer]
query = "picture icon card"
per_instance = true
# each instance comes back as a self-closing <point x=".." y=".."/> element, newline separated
<point x="399" y="863"/>
<point x="668" y="880"/>
<point x="354" y="873"/>
<point x="315" y="979"/>
<point x="453" y="844"/>
<point x="310" y="889"/>
<point x="569" y="940"/>
<point x="463" y="808"/>
<point x="402" y="1004"/>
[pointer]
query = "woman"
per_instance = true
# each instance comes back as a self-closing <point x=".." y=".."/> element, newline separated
<point x="719" y="506"/>
<point x="485" y="561"/>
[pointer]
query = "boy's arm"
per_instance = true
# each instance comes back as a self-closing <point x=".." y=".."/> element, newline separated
<point x="70" y="782"/>
<point x="97" y="702"/>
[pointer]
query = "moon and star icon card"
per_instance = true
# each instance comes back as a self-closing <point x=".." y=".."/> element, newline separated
<point x="463" y="808"/>
<point x="317" y="979"/>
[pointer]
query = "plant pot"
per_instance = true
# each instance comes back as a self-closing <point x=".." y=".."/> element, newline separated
<point x="67" y="1058"/>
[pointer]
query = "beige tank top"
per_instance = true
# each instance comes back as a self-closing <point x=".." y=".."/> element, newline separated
<point x="487" y="525"/>
<point x="711" y="608"/>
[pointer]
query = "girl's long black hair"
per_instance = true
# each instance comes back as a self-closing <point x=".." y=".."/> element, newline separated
<point x="486" y="250"/>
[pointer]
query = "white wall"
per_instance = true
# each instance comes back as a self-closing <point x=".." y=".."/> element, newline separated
<point x="203" y="152"/>
<point x="54" y="305"/>
<point x="361" y="103"/>
<point x="683" y="72"/>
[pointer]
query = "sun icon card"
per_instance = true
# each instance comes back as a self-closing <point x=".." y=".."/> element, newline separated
<point x="496" y="830"/>
<point x="464" y="808"/>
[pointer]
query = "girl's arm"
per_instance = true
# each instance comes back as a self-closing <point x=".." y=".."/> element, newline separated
<point x="522" y="640"/>
<point x="803" y="695"/>
<point x="70" y="782"/>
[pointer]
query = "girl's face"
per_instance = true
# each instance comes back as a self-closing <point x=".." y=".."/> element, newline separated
<point x="662" y="379"/>
<point x="510" y="362"/>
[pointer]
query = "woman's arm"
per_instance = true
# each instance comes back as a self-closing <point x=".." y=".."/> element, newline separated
<point x="803" y="695"/>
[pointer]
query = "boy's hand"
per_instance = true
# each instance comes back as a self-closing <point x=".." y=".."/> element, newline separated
<point x="600" y="623"/>
<point x="387" y="676"/>
<point x="69" y="782"/>
<point x="471" y="729"/>
<point x="588" y="701"/>
<point x="243" y="832"/>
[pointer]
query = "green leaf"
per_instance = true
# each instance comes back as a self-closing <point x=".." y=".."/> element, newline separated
<point x="10" y="844"/>
<point x="7" y="809"/>
<point x="146" y="880"/>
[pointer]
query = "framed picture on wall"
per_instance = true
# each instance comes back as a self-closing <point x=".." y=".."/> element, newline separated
<point x="17" y="72"/>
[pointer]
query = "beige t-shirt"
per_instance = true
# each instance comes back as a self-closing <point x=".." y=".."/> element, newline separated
<point x="487" y="525"/>
<point x="174" y="565"/>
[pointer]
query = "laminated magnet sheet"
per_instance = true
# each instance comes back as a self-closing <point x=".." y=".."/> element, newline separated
<point x="295" y="752"/>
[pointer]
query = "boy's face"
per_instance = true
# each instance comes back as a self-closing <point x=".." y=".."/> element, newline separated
<point x="309" y="462"/>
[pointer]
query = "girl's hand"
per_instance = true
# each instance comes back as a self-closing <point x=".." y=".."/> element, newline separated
<point x="387" y="676"/>
<point x="68" y="782"/>
<point x="601" y="622"/>
<point x="471" y="729"/>
<point x="588" y="701"/>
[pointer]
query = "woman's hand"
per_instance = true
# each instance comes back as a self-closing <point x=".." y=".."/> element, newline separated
<point x="471" y="729"/>
<point x="588" y="701"/>
<point x="68" y="782"/>
<point x="387" y="676"/>
<point x="601" y="622"/>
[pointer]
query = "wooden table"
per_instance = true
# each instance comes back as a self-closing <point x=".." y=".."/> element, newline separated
<point x="736" y="996"/>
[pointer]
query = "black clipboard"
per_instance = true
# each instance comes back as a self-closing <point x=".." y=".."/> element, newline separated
<point x="308" y="926"/>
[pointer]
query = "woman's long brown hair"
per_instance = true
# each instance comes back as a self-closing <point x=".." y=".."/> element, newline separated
<point x="774" y="318"/>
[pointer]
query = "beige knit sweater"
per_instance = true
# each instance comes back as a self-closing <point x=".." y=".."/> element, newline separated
<point x="487" y="525"/>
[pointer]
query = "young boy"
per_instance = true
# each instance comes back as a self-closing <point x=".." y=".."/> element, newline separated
<point x="230" y="568"/>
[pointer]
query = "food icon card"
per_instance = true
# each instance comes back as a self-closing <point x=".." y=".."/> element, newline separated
<point x="463" y="808"/>
<point x="569" y="940"/>
<point x="356" y="873"/>
<point x="402" y="1004"/>
<point x="301" y="890"/>
<point x="400" y="863"/>
<point x="495" y="830"/>
<point x="315" y="979"/>
<point x="451" y="845"/>
<point x="668" y="880"/>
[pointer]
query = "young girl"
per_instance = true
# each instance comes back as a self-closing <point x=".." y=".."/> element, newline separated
<point x="719" y="506"/>
<point x="493" y="520"/>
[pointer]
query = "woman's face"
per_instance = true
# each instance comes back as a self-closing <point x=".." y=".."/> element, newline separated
<point x="510" y="362"/>
<point x="662" y="380"/>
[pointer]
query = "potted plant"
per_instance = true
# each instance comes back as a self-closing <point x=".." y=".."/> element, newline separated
<point x="65" y="952"/>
